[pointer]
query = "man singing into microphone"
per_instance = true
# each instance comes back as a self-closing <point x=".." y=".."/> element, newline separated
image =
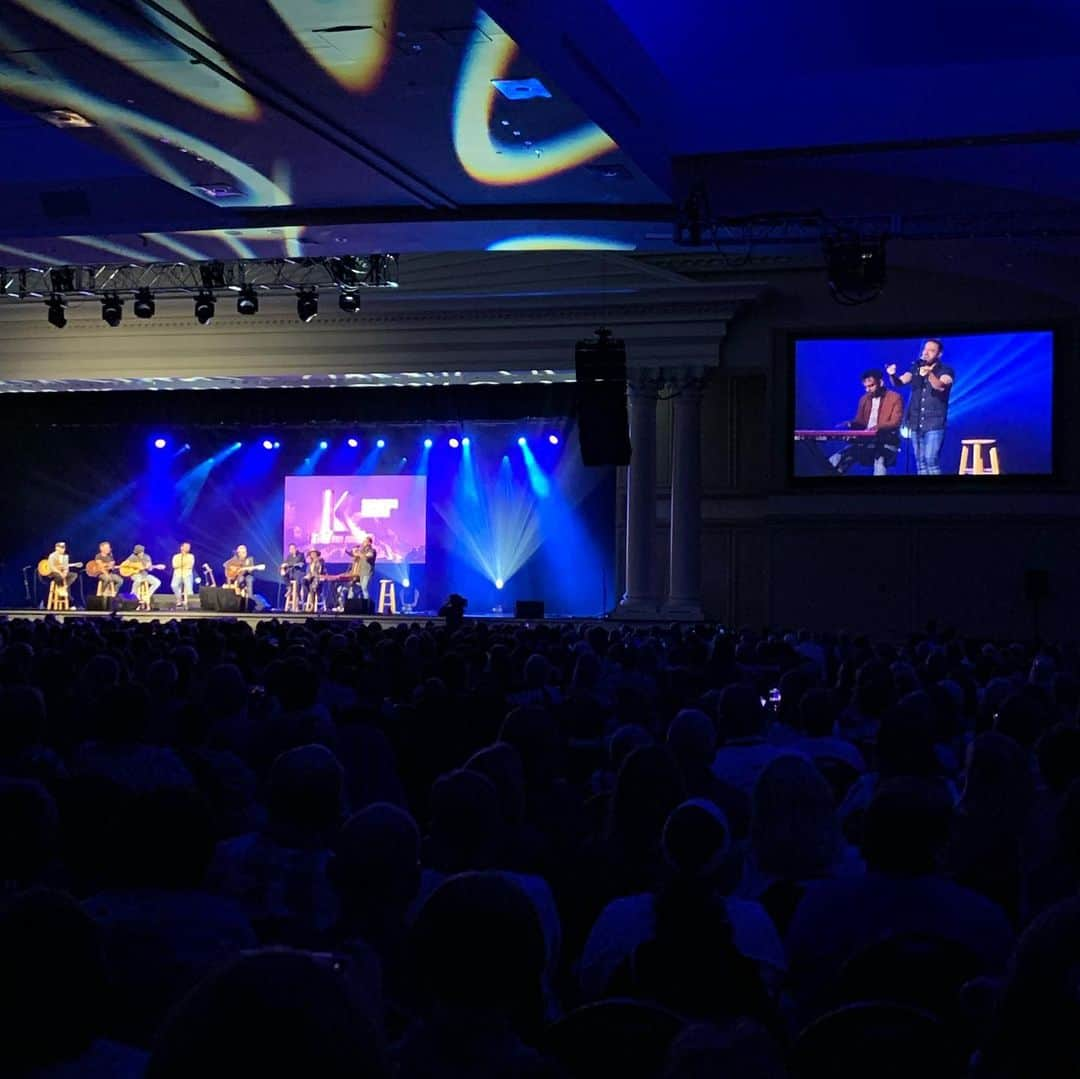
<point x="928" y="406"/>
<point x="879" y="410"/>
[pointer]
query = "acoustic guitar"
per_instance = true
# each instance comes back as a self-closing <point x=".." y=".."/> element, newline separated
<point x="129" y="569"/>
<point x="44" y="571"/>
<point x="234" y="570"/>
<point x="97" y="567"/>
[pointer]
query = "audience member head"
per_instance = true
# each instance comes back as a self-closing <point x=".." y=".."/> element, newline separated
<point x="479" y="954"/>
<point x="907" y="827"/>
<point x="272" y="1012"/>
<point x="1024" y="715"/>
<point x="22" y="719"/>
<point x="817" y="713"/>
<point x="794" y="830"/>
<point x="739" y="713"/>
<point x="648" y="787"/>
<point x="29" y="832"/>
<point x="625" y="740"/>
<point x="905" y="741"/>
<point x="501" y="763"/>
<point x="998" y="781"/>
<point x="744" y="1049"/>
<point x="167" y="840"/>
<point x="54" y="980"/>
<point x="466" y="829"/>
<point x="1058" y="754"/>
<point x="696" y="840"/>
<point x="376" y="859"/>
<point x="305" y="791"/>
<point x="123" y="714"/>
<point x="692" y="737"/>
<point x="535" y="735"/>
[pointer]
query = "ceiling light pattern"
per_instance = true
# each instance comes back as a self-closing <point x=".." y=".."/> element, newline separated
<point x="484" y="158"/>
<point x="349" y="39"/>
<point x="153" y="57"/>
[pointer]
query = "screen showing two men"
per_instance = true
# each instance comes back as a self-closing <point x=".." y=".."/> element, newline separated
<point x="971" y="404"/>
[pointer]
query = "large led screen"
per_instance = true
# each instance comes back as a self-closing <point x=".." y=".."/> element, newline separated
<point x="977" y="404"/>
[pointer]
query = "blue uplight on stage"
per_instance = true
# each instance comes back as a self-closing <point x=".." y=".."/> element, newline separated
<point x="465" y="441"/>
<point x="405" y="583"/>
<point x="380" y="443"/>
<point x="427" y="443"/>
<point x="277" y="445"/>
<point x="352" y="443"/>
<point x="540" y="484"/>
<point x="160" y="443"/>
<point x="324" y="445"/>
<point x="553" y="439"/>
<point x="521" y="440"/>
<point x="498" y="582"/>
<point x="267" y="444"/>
<point x="454" y="443"/>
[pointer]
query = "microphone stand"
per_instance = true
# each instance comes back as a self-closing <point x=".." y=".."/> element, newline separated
<point x="26" y="585"/>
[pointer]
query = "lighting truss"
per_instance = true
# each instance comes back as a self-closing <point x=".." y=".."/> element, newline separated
<point x="348" y="273"/>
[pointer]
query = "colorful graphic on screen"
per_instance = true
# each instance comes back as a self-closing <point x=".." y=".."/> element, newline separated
<point x="335" y="513"/>
<point x="978" y="404"/>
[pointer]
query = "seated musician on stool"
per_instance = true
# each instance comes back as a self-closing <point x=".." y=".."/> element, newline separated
<point x="183" y="577"/>
<point x="109" y="579"/>
<point x="142" y="574"/>
<point x="58" y="566"/>
<point x="879" y="410"/>
<point x="240" y="569"/>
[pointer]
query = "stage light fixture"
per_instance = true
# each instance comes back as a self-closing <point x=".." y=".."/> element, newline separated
<point x="205" y="305"/>
<point x="521" y="440"/>
<point x="352" y="443"/>
<point x="57" y="317"/>
<point x="112" y="309"/>
<point x="855" y="268"/>
<point x="427" y="443"/>
<point x="143" y="305"/>
<point x="465" y="441"/>
<point x="247" y="303"/>
<point x="454" y="443"/>
<point x="405" y="583"/>
<point x="307" y="304"/>
<point x="553" y="439"/>
<point x="499" y="583"/>
<point x="349" y="302"/>
<point x="324" y="445"/>
<point x="267" y="444"/>
<point x="380" y="443"/>
<point x="277" y="445"/>
<point x="160" y="443"/>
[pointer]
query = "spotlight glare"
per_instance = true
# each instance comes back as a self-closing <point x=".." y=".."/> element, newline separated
<point x="307" y="304"/>
<point x="465" y="441"/>
<point x="267" y="444"/>
<point x="205" y="305"/>
<point x="427" y="443"/>
<point x="499" y="583"/>
<point x="143" y="304"/>
<point x="324" y="445"/>
<point x="352" y="443"/>
<point x="521" y="441"/>
<point x="454" y="443"/>
<point x="277" y="445"/>
<point x="381" y="443"/>
<point x="553" y="439"/>
<point x="160" y="443"/>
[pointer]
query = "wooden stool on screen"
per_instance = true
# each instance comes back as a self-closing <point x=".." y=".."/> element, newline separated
<point x="143" y="594"/>
<point x="971" y="457"/>
<point x="387" y="598"/>
<point x="58" y="597"/>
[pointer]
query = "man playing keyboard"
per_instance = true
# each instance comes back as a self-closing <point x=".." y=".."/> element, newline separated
<point x="879" y="410"/>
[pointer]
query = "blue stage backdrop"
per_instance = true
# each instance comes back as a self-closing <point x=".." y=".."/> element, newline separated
<point x="1003" y="390"/>
<point x="510" y="512"/>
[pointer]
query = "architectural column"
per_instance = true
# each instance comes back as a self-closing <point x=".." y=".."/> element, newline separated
<point x="684" y="565"/>
<point x="640" y="599"/>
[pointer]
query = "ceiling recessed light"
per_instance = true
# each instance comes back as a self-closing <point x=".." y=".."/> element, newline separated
<point x="65" y="118"/>
<point x="520" y="89"/>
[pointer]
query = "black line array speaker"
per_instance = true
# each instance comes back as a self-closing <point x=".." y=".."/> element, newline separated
<point x="603" y="424"/>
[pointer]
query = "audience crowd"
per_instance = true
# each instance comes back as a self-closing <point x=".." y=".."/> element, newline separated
<point x="490" y="849"/>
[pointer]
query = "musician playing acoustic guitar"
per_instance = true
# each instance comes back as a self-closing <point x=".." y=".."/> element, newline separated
<point x="240" y="572"/>
<point x="59" y="566"/>
<point x="137" y="566"/>
<point x="183" y="578"/>
<point x="106" y="569"/>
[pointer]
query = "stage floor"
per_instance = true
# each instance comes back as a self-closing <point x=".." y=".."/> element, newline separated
<point x="254" y="617"/>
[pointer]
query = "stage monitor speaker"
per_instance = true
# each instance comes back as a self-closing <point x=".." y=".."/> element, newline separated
<point x="356" y="606"/>
<point x="603" y="425"/>
<point x="208" y="598"/>
<point x="99" y="603"/>
<point x="530" y="609"/>
<point x="125" y="603"/>
<point x="231" y="602"/>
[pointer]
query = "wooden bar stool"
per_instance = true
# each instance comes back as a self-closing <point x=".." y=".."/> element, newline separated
<point x="58" y="597"/>
<point x="106" y="588"/>
<point x="387" y="597"/>
<point x="292" y="595"/>
<point x="143" y="594"/>
<point x="971" y="450"/>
